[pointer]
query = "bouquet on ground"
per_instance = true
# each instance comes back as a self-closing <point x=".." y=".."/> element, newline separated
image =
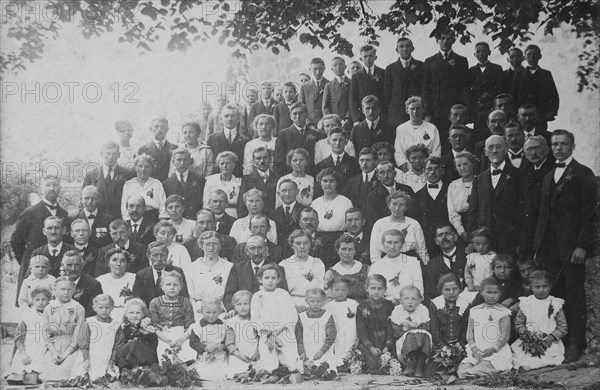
<point x="533" y="342"/>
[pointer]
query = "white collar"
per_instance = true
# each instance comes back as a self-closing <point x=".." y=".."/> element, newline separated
<point x="158" y="143"/>
<point x="517" y="152"/>
<point x="105" y="169"/>
<point x="405" y="62"/>
<point x="227" y="131"/>
<point x="340" y="79"/>
<point x="87" y="213"/>
<point x="126" y="246"/>
<point x="81" y="247"/>
<point x="501" y="167"/>
<point x="567" y="162"/>
<point x="47" y="202"/>
<point x="369" y="175"/>
<point x="449" y="53"/>
<point x="263" y="174"/>
<point x="57" y="247"/>
<point x="266" y="103"/>
<point x="531" y="132"/>
<point x="292" y="205"/>
<point x="452" y="253"/>
<point x="76" y="281"/>
<point x="185" y="175"/>
<point x="335" y="156"/>
<point x="537" y="167"/>
<point x="259" y="265"/>
<point x="375" y="122"/>
<point x="300" y="129"/>
<point x="454" y="153"/>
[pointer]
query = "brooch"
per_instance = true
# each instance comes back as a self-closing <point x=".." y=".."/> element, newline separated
<point x="218" y="279"/>
<point x="309" y="276"/>
<point x="426" y="136"/>
<point x="150" y="194"/>
<point x="396" y="279"/>
<point x="328" y="214"/>
<point x="350" y="314"/>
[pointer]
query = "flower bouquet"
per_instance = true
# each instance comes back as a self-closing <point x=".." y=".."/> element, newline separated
<point x="322" y="372"/>
<point x="355" y="361"/>
<point x="390" y="365"/>
<point x="447" y="358"/>
<point x="309" y="276"/>
<point x="533" y="342"/>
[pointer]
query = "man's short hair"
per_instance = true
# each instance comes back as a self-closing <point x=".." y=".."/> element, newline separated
<point x="181" y="150"/>
<point x="503" y="96"/>
<point x="260" y="216"/>
<point x="354" y="210"/>
<point x="193" y="125"/>
<point x="174" y="198"/>
<point x="481" y="43"/>
<point x="251" y="192"/>
<point x="528" y="106"/>
<point x="415" y="149"/>
<point x="261" y="149"/>
<point x="537" y="138"/>
<point x="435" y="160"/>
<point x="415" y="99"/>
<point x="117" y="223"/>
<point x="230" y="107"/>
<point x="161" y="119"/>
<point x="371" y="99"/>
<point x="515" y="49"/>
<point x="566" y="133"/>
<point x="366" y="48"/>
<point x="218" y="192"/>
<point x="512" y="124"/>
<point x="309" y="210"/>
<point x="368" y="150"/>
<point x="288" y="181"/>
<point x="337" y="130"/>
<point x="80" y="220"/>
<point x="129" y="199"/>
<point x="381" y="164"/>
<point x="110" y="145"/>
<point x="338" y="58"/>
<point x="404" y="39"/>
<point x="298" y="104"/>
<point x="162" y="224"/>
<point x="317" y="61"/>
<point x="533" y="47"/>
<point x="458" y="107"/>
<point x="290" y="84"/>
<point x="54" y="218"/>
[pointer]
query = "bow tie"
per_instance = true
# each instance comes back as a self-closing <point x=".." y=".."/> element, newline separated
<point x="91" y="216"/>
<point x="561" y="165"/>
<point x="496" y="172"/>
<point x="433" y="186"/>
<point x="514" y="156"/>
<point x="50" y="206"/>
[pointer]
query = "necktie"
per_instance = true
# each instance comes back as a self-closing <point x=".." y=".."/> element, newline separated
<point x="527" y="135"/>
<point x="371" y="72"/>
<point x="338" y="161"/>
<point x="159" y="279"/>
<point x="449" y="257"/>
<point x="496" y="172"/>
<point x="433" y="186"/>
<point x="288" y="214"/>
<point x="230" y="138"/>
<point x="51" y="207"/>
<point x="366" y="178"/>
<point x="445" y="56"/>
<point x="561" y="165"/>
<point x="255" y="269"/>
<point x="135" y="228"/>
<point x="181" y="179"/>
<point x="514" y="156"/>
<point x="109" y="174"/>
<point x="91" y="216"/>
<point x="357" y="240"/>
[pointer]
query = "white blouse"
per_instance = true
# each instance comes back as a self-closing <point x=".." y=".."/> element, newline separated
<point x="332" y="214"/>
<point x="301" y="276"/>
<point x="240" y="230"/>
<point x="411" y="179"/>
<point x="406" y="136"/>
<point x="399" y="272"/>
<point x="415" y="240"/>
<point x="231" y="188"/>
<point x="204" y="281"/>
<point x="184" y="230"/>
<point x="152" y="192"/>
<point x="458" y="202"/>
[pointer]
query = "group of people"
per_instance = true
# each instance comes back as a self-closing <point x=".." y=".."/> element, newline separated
<point x="361" y="213"/>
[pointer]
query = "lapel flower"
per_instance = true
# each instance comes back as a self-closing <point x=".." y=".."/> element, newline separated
<point x="310" y="138"/>
<point x="316" y="243"/>
<point x="350" y="314"/>
<point x="366" y="312"/>
<point x="412" y="67"/>
<point x="232" y="194"/>
<point x="88" y="259"/>
<point x="309" y="276"/>
<point x="218" y="279"/>
<point x="179" y="238"/>
<point x="451" y="62"/>
<point x="150" y="194"/>
<point x="550" y="310"/>
<point x="379" y="133"/>
<point x="126" y="292"/>
<point x="426" y="136"/>
<point x="490" y="318"/>
<point x="78" y="294"/>
<point x="345" y="169"/>
<point x="396" y="279"/>
<point x="306" y="192"/>
<point x="328" y="214"/>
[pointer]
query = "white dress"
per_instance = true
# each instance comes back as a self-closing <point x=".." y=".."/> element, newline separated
<point x="246" y="341"/>
<point x="113" y="287"/>
<point x="34" y="347"/>
<point x="231" y="188"/>
<point x="102" y="340"/>
<point x="179" y="256"/>
<point x="344" y="315"/>
<point x="332" y="214"/>
<point x="240" y="230"/>
<point x="406" y="136"/>
<point x="538" y="320"/>
<point x="306" y="189"/>
<point x="419" y="316"/>
<point x="301" y="276"/>
<point x="458" y="202"/>
<point x="204" y="281"/>
<point x="211" y="334"/>
<point x="414" y="241"/>
<point x="399" y="272"/>
<point x="480" y="267"/>
<point x="153" y="193"/>
<point x="313" y="337"/>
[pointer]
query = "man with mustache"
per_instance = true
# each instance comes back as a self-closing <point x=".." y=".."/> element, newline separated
<point x="451" y="259"/>
<point x="86" y="287"/>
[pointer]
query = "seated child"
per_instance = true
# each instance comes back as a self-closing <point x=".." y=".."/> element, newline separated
<point x="448" y="313"/>
<point x="526" y="267"/>
<point x="274" y="313"/>
<point x="410" y="323"/>
<point x="343" y="310"/>
<point x="172" y="315"/>
<point x="487" y="353"/>
<point x="136" y="341"/>
<point x="315" y="331"/>
<point x="63" y="324"/>
<point x="101" y="333"/>
<point x="479" y="263"/>
<point x="541" y="312"/>
<point x="164" y="231"/>
<point x="39" y="267"/>
<point x="184" y="228"/>
<point x="24" y="368"/>
<point x="245" y="350"/>
<point x="373" y="326"/>
<point x="510" y="286"/>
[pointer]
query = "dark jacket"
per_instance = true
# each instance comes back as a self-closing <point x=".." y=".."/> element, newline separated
<point x="192" y="192"/>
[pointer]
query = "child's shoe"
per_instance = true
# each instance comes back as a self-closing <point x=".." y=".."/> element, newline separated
<point x="411" y="365"/>
<point x="420" y="369"/>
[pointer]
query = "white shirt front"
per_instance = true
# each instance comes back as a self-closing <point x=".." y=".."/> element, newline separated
<point x="434" y="192"/>
<point x="558" y="172"/>
<point x="496" y="178"/>
<point x="230" y="133"/>
<point x="516" y="162"/>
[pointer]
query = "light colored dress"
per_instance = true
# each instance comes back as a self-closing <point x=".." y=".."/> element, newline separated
<point x="179" y="256"/>
<point x="332" y="214"/>
<point x="411" y="179"/>
<point x="301" y="276"/>
<point x="458" y="202"/>
<point x="240" y="230"/>
<point x="306" y="189"/>
<point x="313" y="338"/>
<point x="246" y="342"/>
<point x="344" y="315"/>
<point x="231" y="188"/>
<point x="102" y="339"/>
<point x="30" y="283"/>
<point x="29" y="333"/>
<point x="406" y="136"/>
<point x="419" y="316"/>
<point x="536" y="312"/>
<point x="153" y="193"/>
<point x="479" y="267"/>
<point x="184" y="230"/>
<point x="204" y="281"/>
<point x="399" y="272"/>
<point x="214" y="369"/>
<point x="113" y="287"/>
<point x="414" y="241"/>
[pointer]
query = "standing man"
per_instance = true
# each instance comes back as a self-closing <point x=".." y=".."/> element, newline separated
<point x="229" y="138"/>
<point x="159" y="148"/>
<point x="185" y="183"/>
<point x="515" y="59"/>
<point x="262" y="178"/>
<point x="377" y="207"/>
<point x="265" y="105"/>
<point x="485" y="82"/>
<point x="368" y="81"/>
<point x="336" y="98"/>
<point x="528" y="117"/>
<point x="86" y="287"/>
<point x="96" y="219"/>
<point x="311" y="92"/>
<point x="565" y="234"/>
<point x="361" y="185"/>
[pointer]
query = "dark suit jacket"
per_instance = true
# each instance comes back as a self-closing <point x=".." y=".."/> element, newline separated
<point x="362" y="85"/>
<point x="450" y="172"/>
<point x="483" y="88"/>
<point x="437" y="267"/>
<point x="269" y="189"/>
<point x="145" y="234"/>
<point x="377" y="205"/>
<point x="531" y="197"/>
<point x="98" y="238"/>
<point x="281" y="112"/>
<point x="357" y="190"/>
<point x="28" y="233"/>
<point x="290" y="139"/>
<point x="284" y="228"/>
<point x="110" y="192"/>
<point x="363" y="137"/>
<point x="146" y="289"/>
<point x="400" y="84"/>
<point x="162" y="158"/>
<point x="192" y="192"/>
<point x="90" y="259"/>
<point x="242" y="277"/>
<point x="257" y="109"/>
<point x="86" y="290"/>
<point x="227" y="250"/>
<point x="348" y="168"/>
<point x="538" y="89"/>
<point x="336" y="98"/>
<point x="566" y="209"/>
<point x="313" y="98"/>
<point x="225" y="223"/>
<point x="508" y="76"/>
<point x="431" y="213"/>
<point x="218" y="143"/>
<point x="444" y="84"/>
<point x="497" y="209"/>
<point x="137" y="250"/>
<point x="275" y="253"/>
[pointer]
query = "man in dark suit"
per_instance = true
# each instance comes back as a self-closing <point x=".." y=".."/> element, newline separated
<point x="355" y="226"/>
<point x="243" y="274"/>
<point x="360" y="185"/>
<point x="373" y="128"/>
<point x="459" y="138"/>
<point x="536" y="86"/>
<point x="29" y="234"/>
<point x="262" y="178"/>
<point x="495" y="126"/>
<point x="80" y="234"/>
<point x="485" y="83"/>
<point x="376" y="200"/>
<point x="281" y="112"/>
<point x="514" y="137"/>
<point x="311" y="92"/>
<point x="403" y="79"/>
<point x="148" y="280"/>
<point x="185" y="183"/>
<point x="299" y="135"/>
<point x="217" y="202"/>
<point x="259" y="225"/>
<point x="264" y="105"/>
<point x="159" y="148"/>
<point x="336" y="97"/>
<point x="339" y="160"/>
<point x="450" y="259"/>
<point x="368" y="81"/>
<point x="445" y="77"/>
<point x="532" y="175"/>
<point x="494" y="201"/>
<point x="565" y="234"/>
<point x="109" y="177"/>
<point x="230" y="138"/>
<point x="515" y="59"/>
<point x="120" y="233"/>
<point x="96" y="219"/>
<point x="205" y="221"/>
<point x="142" y="229"/>
<point x="86" y="287"/>
<point x="528" y="118"/>
<point x="286" y="216"/>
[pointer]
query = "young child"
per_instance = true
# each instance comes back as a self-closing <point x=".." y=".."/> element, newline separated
<point x="24" y="368"/>
<point x="209" y="338"/>
<point x="63" y="324"/>
<point x="172" y="315"/>
<point x="373" y="326"/>
<point x="526" y="267"/>
<point x="274" y="314"/>
<point x="479" y="263"/>
<point x="136" y="342"/>
<point x="184" y="228"/>
<point x="316" y="331"/>
<point x="448" y="313"/>
<point x="541" y="312"/>
<point x="415" y="177"/>
<point x="101" y="333"/>
<point x="245" y="350"/>
<point x="343" y="310"/>
<point x="164" y="231"/>
<point x="39" y="267"/>
<point x="487" y="353"/>
<point x="410" y="324"/>
<point x="510" y="286"/>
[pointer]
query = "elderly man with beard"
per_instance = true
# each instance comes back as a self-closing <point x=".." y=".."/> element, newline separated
<point x="243" y="274"/>
<point x="451" y="259"/>
<point x="86" y="287"/>
<point x="205" y="221"/>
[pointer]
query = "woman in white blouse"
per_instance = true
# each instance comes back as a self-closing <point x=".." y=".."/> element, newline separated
<point x="264" y="125"/>
<point x="459" y="191"/>
<point x="331" y="207"/>
<point x="207" y="276"/>
<point x="298" y="159"/>
<point x="147" y="187"/>
<point x="118" y="283"/>
<point x="225" y="181"/>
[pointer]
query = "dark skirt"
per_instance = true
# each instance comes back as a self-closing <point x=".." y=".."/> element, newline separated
<point x="135" y="354"/>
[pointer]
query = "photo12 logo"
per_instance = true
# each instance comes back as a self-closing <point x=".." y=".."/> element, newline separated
<point x="69" y="91"/>
<point x="69" y="11"/>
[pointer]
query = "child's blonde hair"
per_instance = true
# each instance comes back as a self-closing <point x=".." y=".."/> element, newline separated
<point x="103" y="298"/>
<point x="239" y="295"/>
<point x="378" y="278"/>
<point x="39" y="259"/>
<point x="41" y="290"/>
<point x="411" y="288"/>
<point x="171" y="274"/>
<point x="135" y="302"/>
<point x="316" y="291"/>
<point x="61" y="279"/>
<point x="206" y="302"/>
